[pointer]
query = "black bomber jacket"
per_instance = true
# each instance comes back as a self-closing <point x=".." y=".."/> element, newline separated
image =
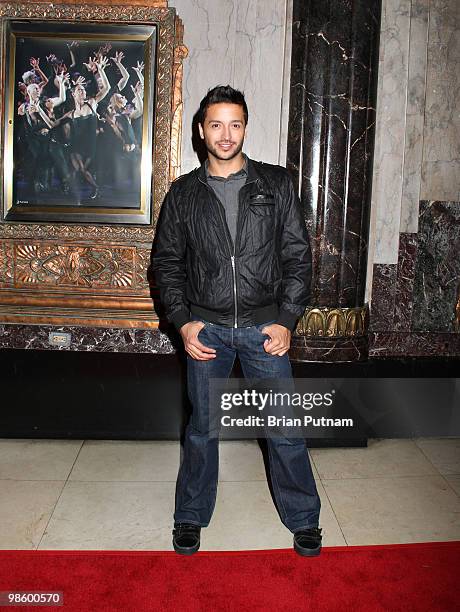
<point x="264" y="276"/>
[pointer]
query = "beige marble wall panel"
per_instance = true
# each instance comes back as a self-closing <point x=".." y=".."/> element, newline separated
<point x="208" y="34"/>
<point x="441" y="146"/>
<point x="376" y="173"/>
<point x="413" y="146"/>
<point x="286" y="83"/>
<point x="258" y="71"/>
<point x="390" y="129"/>
<point x="241" y="43"/>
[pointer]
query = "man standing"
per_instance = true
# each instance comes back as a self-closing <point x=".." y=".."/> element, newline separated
<point x="233" y="264"/>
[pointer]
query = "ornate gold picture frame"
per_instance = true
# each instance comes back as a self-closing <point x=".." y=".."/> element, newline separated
<point x="89" y="266"/>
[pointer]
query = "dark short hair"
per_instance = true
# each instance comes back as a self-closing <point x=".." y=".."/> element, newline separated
<point x="222" y="93"/>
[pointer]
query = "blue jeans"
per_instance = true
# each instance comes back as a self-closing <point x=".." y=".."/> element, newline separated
<point x="293" y="483"/>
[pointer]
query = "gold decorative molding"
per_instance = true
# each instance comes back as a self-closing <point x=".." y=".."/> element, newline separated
<point x="91" y="315"/>
<point x="65" y="233"/>
<point x="95" y="274"/>
<point x="180" y="53"/>
<point x="321" y="321"/>
<point x="6" y="264"/>
<point x="157" y="10"/>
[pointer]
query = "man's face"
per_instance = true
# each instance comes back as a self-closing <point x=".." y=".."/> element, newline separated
<point x="223" y="130"/>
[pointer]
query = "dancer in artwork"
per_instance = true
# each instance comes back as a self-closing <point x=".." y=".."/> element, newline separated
<point x="59" y="141"/>
<point x="84" y="122"/>
<point x="119" y="146"/>
<point x="36" y="131"/>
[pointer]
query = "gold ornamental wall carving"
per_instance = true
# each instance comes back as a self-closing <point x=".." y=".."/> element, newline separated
<point x="334" y="322"/>
<point x="73" y="265"/>
<point x="95" y="273"/>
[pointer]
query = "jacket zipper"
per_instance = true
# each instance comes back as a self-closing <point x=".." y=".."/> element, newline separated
<point x="226" y="232"/>
<point x="232" y="257"/>
<point x="234" y="290"/>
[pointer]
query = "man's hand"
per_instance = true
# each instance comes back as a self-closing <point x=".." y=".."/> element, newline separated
<point x="279" y="341"/>
<point x="193" y="346"/>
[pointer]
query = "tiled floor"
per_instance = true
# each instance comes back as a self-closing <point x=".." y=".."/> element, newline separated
<point x="119" y="495"/>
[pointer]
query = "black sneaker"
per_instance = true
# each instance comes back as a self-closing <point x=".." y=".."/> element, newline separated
<point x="186" y="538"/>
<point x="307" y="542"/>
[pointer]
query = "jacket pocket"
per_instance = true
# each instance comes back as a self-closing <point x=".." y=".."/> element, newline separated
<point x="262" y="204"/>
<point x="261" y="212"/>
<point x="262" y="198"/>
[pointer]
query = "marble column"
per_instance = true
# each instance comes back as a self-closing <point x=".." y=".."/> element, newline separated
<point x="335" y="46"/>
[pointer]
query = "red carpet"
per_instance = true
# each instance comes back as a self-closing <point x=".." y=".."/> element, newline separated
<point x="408" y="577"/>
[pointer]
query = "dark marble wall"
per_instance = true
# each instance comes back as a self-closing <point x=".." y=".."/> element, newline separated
<point x="413" y="302"/>
<point x="392" y="289"/>
<point x="334" y="63"/>
<point x="413" y="344"/>
<point x="404" y="289"/>
<point x="383" y="296"/>
<point x="437" y="272"/>
<point x="87" y="339"/>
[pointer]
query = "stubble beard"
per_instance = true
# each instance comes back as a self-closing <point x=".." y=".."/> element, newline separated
<point x="211" y="149"/>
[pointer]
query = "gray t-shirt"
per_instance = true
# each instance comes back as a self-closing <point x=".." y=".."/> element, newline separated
<point x="227" y="190"/>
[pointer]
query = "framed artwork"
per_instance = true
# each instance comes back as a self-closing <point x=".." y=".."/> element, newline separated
<point x="91" y="116"/>
<point x="79" y="121"/>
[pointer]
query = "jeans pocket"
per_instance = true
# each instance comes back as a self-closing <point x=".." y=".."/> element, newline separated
<point x="195" y="318"/>
<point x="203" y="329"/>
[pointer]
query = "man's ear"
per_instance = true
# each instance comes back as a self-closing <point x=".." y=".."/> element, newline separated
<point x="200" y="129"/>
